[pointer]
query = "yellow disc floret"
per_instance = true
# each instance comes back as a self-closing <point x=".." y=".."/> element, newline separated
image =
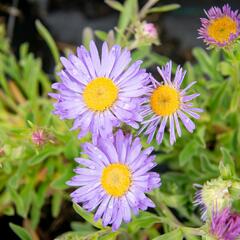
<point x="116" y="179"/>
<point x="100" y="94"/>
<point x="165" y="100"/>
<point x="220" y="29"/>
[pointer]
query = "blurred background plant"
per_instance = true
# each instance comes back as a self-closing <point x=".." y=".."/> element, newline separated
<point x="37" y="149"/>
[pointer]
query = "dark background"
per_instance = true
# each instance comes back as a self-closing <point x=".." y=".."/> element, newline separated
<point x="66" y="19"/>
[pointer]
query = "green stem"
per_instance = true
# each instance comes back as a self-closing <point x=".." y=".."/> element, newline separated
<point x="172" y="221"/>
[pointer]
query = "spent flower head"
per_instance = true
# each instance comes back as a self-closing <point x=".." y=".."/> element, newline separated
<point x="115" y="178"/>
<point x="99" y="93"/>
<point x="221" y="27"/>
<point x="214" y="193"/>
<point x="166" y="102"/>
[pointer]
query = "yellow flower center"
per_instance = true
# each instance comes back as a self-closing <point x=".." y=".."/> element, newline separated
<point x="220" y="29"/>
<point x="100" y="94"/>
<point x="116" y="179"/>
<point x="165" y="100"/>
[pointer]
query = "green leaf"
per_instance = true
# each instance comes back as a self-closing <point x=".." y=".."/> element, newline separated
<point x="20" y="232"/>
<point x="226" y="166"/>
<point x="23" y="51"/>
<point x="42" y="30"/>
<point x="109" y="236"/>
<point x="83" y="228"/>
<point x="166" y="8"/>
<point x="173" y="235"/>
<point x="217" y="98"/>
<point x="87" y="36"/>
<point x="225" y="68"/>
<point x="87" y="216"/>
<point x="56" y="204"/>
<point x="115" y="5"/>
<point x="45" y="153"/>
<point x="3" y="80"/>
<point x="206" y="63"/>
<point x="235" y="100"/>
<point x="189" y="150"/>
<point x="16" y="178"/>
<point x="9" y="211"/>
<point x="101" y="35"/>
<point x="18" y="202"/>
<point x="125" y="18"/>
<point x="207" y="166"/>
<point x="60" y="181"/>
<point x="144" y="220"/>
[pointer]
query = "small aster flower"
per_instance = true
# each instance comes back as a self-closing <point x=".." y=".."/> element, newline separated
<point x="225" y="225"/>
<point x="100" y="93"/>
<point x="221" y="27"/>
<point x="167" y="102"/>
<point x="213" y="193"/>
<point x="115" y="179"/>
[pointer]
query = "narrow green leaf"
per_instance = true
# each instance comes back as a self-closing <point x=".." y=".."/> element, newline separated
<point x="23" y="51"/>
<point x="20" y="232"/>
<point x="189" y="150"/>
<point x="166" y="8"/>
<point x="125" y="18"/>
<point x="109" y="236"/>
<point x="87" y="216"/>
<point x="218" y="96"/>
<point x="56" y="204"/>
<point x="101" y="35"/>
<point x="18" y="202"/>
<point x="87" y="36"/>
<point x="45" y="153"/>
<point x="235" y="100"/>
<point x="115" y="5"/>
<point x="226" y="166"/>
<point x="173" y="235"/>
<point x="42" y="30"/>
<point x="206" y="63"/>
<point x="60" y="181"/>
<point x="144" y="220"/>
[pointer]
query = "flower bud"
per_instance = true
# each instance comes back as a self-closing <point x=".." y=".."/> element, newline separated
<point x="39" y="137"/>
<point x="146" y="34"/>
<point x="213" y="194"/>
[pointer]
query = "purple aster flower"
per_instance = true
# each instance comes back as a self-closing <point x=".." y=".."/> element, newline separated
<point x="167" y="102"/>
<point x="225" y="225"/>
<point x="115" y="178"/>
<point x="221" y="27"/>
<point x="100" y="93"/>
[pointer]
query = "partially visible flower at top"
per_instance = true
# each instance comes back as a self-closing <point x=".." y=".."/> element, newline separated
<point x="100" y="93"/>
<point x="214" y="193"/>
<point x="167" y="102"/>
<point x="221" y="27"/>
<point x="39" y="137"/>
<point x="115" y="178"/>
<point x="225" y="225"/>
<point x="146" y="33"/>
